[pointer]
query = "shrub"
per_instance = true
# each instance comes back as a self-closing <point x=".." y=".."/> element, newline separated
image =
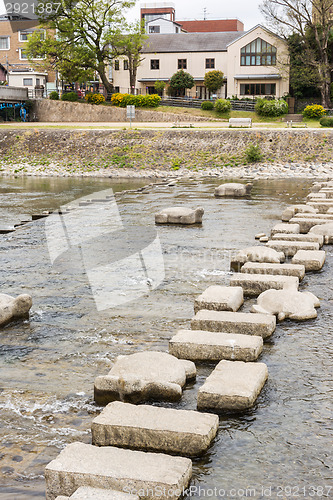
<point x="69" y="96"/>
<point x="272" y="107"/>
<point x="54" y="96"/>
<point x="326" y="121"/>
<point x="253" y="153"/>
<point x="123" y="100"/>
<point x="207" y="105"/>
<point x="95" y="98"/>
<point x="314" y="111"/>
<point x="159" y="86"/>
<point x="222" y="106"/>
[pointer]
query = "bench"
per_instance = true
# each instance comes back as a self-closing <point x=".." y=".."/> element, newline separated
<point x="240" y="122"/>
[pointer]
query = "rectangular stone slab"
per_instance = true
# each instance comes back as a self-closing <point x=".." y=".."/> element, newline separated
<point x="81" y="464"/>
<point x="88" y="493"/>
<point x="312" y="260"/>
<point x="306" y="224"/>
<point x="153" y="428"/>
<point x="313" y="216"/>
<point x="285" y="228"/>
<point x="199" y="345"/>
<point x="234" y="322"/>
<point x="318" y="238"/>
<point x="289" y="248"/>
<point x="255" y="284"/>
<point x="275" y="269"/>
<point x="233" y="386"/>
<point x="322" y="206"/>
<point x="220" y="298"/>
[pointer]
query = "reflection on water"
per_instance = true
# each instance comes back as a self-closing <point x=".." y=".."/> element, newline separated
<point x="48" y="364"/>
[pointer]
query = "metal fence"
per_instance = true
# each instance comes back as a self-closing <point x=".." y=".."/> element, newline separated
<point x="196" y="103"/>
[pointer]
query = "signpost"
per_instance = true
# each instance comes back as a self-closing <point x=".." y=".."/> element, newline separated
<point x="130" y="113"/>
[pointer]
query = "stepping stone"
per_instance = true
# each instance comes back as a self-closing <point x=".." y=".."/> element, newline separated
<point x="88" y="493"/>
<point x="220" y="298"/>
<point x="199" y="345"/>
<point x="39" y="216"/>
<point x="321" y="206"/>
<point x="289" y="248"/>
<point x="233" y="385"/>
<point x="289" y="212"/>
<point x="285" y="228"/>
<point x="328" y="192"/>
<point x="7" y="230"/>
<point x="299" y="237"/>
<point x="179" y="215"/>
<point x="144" y="376"/>
<point x="233" y="190"/>
<point x="13" y="308"/>
<point x="324" y="230"/>
<point x="260" y="235"/>
<point x="81" y="464"/>
<point x="306" y="224"/>
<point x="313" y="260"/>
<point x="234" y="322"/>
<point x="275" y="269"/>
<point x="151" y="428"/>
<point x="255" y="284"/>
<point x="264" y="239"/>
<point x="255" y="254"/>
<point x="287" y="304"/>
<point x="315" y="216"/>
<point x="316" y="196"/>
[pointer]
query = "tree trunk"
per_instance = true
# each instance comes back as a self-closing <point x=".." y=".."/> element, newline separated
<point x="101" y="71"/>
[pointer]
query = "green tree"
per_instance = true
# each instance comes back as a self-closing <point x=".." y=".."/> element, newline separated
<point x="303" y="78"/>
<point x="213" y="80"/>
<point x="181" y="81"/>
<point x="129" y="46"/>
<point x="312" y="20"/>
<point x="86" y="33"/>
<point x="159" y="86"/>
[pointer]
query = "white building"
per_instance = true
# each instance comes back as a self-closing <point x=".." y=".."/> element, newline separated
<point x="253" y="62"/>
<point x="165" y="26"/>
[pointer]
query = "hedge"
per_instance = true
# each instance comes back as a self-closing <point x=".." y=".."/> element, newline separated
<point x="273" y="107"/>
<point x="123" y="100"/>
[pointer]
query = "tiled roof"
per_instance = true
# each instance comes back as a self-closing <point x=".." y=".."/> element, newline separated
<point x="190" y="42"/>
<point x="212" y="25"/>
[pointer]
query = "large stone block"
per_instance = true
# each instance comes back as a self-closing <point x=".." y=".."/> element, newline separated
<point x="317" y="238"/>
<point x="312" y="260"/>
<point x="321" y="206"/>
<point x="287" y="304"/>
<point x="234" y="322"/>
<point x="179" y="215"/>
<point x="324" y="230"/>
<point x="285" y="228"/>
<point x="274" y="269"/>
<point x="289" y="212"/>
<point x="14" y="308"/>
<point x="289" y="248"/>
<point x="144" y="376"/>
<point x="255" y="284"/>
<point x="81" y="464"/>
<point x="220" y="298"/>
<point x="88" y="493"/>
<point x="256" y="254"/>
<point x="199" y="345"/>
<point x="233" y="385"/>
<point x="151" y="428"/>
<point x="233" y="190"/>
<point x="306" y="224"/>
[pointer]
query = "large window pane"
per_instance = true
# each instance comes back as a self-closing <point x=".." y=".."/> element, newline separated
<point x="248" y="61"/>
<point x="258" y="53"/>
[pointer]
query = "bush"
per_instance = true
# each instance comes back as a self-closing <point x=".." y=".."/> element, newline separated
<point x="314" y="111"/>
<point x="222" y="106"/>
<point x="326" y="121"/>
<point x="69" y="96"/>
<point x="273" y="107"/>
<point x="207" y="105"/>
<point x="253" y="153"/>
<point x="95" y="98"/>
<point x="54" y="96"/>
<point x="123" y="100"/>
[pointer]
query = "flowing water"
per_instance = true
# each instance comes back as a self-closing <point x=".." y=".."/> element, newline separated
<point x="282" y="448"/>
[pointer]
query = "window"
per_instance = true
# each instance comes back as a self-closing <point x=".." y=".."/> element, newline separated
<point x="24" y="35"/>
<point x="116" y="65"/>
<point x="4" y="43"/>
<point x="258" y="53"/>
<point x="154" y="64"/>
<point x="154" y="29"/>
<point x="23" y="54"/>
<point x="37" y="81"/>
<point x="116" y="89"/>
<point x="125" y="64"/>
<point x="258" y="88"/>
<point x="210" y="63"/>
<point x="182" y="63"/>
<point x="27" y="82"/>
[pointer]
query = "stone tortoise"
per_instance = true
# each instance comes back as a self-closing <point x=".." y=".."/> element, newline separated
<point x="287" y="304"/>
<point x="233" y="189"/>
<point x="13" y="308"/>
<point x="179" y="215"/>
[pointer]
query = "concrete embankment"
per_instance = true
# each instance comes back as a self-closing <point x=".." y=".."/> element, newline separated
<point x="155" y="153"/>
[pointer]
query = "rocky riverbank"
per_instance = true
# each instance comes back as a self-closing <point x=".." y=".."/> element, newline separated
<point x="167" y="153"/>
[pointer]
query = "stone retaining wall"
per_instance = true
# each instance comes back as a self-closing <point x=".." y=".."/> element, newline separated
<point x="63" y="111"/>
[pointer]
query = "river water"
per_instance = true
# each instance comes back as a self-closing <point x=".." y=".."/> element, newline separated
<point x="282" y="448"/>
